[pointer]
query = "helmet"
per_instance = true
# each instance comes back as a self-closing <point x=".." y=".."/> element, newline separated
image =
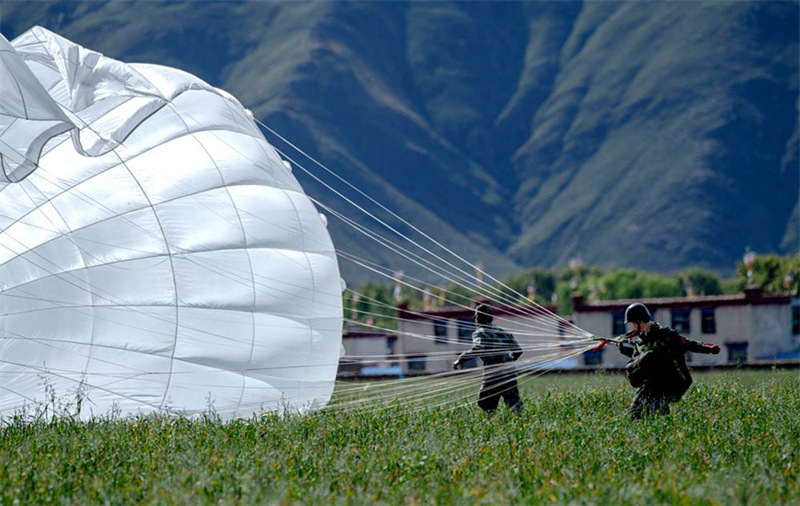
<point x="637" y="312"/>
<point x="483" y="313"/>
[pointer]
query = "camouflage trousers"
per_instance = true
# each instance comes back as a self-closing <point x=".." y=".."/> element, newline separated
<point x="497" y="385"/>
<point x="649" y="400"/>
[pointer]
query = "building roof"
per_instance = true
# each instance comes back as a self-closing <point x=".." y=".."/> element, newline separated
<point x="751" y="296"/>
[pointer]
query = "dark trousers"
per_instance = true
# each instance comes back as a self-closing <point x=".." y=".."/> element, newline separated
<point x="649" y="400"/>
<point x="499" y="384"/>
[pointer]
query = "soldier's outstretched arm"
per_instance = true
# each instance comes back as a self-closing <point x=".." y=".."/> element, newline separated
<point x="698" y="347"/>
<point x="475" y="351"/>
<point x="695" y="346"/>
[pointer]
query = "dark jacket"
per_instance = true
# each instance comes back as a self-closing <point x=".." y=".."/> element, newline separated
<point x="659" y="358"/>
<point x="492" y="345"/>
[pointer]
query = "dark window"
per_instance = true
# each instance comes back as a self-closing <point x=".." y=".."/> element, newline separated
<point x="593" y="358"/>
<point x="708" y="321"/>
<point x="617" y="323"/>
<point x="795" y="320"/>
<point x="440" y="331"/>
<point x="416" y="363"/>
<point x="465" y="330"/>
<point x="737" y="352"/>
<point x="680" y="321"/>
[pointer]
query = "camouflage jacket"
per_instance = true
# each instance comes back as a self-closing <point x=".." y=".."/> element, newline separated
<point x="492" y="345"/>
<point x="665" y="364"/>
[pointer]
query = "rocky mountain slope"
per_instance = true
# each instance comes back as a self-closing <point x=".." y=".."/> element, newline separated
<point x="654" y="135"/>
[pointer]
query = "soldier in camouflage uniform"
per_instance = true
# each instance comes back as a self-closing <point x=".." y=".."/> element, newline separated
<point x="658" y="365"/>
<point x="498" y="350"/>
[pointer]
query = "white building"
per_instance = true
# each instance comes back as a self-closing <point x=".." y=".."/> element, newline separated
<point x="368" y="352"/>
<point x="748" y="327"/>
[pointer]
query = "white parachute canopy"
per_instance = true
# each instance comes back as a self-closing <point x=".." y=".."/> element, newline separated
<point x="164" y="259"/>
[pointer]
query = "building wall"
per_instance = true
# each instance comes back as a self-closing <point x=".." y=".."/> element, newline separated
<point x="772" y="332"/>
<point x="416" y="337"/>
<point x="363" y="346"/>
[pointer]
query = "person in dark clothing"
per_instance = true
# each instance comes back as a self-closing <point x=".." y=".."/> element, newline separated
<point x="657" y="368"/>
<point x="497" y="349"/>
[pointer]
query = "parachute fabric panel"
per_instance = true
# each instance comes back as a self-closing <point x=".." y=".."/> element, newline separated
<point x="28" y="116"/>
<point x="180" y="267"/>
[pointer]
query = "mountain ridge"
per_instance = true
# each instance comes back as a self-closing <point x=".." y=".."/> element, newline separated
<point x="650" y="135"/>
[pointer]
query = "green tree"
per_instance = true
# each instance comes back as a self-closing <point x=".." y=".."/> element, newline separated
<point x="540" y="279"/>
<point x="772" y="273"/>
<point x="702" y="282"/>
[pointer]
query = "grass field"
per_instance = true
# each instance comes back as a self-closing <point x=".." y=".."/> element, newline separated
<point x="735" y="438"/>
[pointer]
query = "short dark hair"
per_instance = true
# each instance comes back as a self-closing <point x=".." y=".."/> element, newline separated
<point x="483" y="313"/>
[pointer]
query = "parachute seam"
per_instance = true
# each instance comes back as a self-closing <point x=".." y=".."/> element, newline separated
<point x="244" y="241"/>
<point x="287" y="316"/>
<point x="252" y="273"/>
<point x="169" y="255"/>
<point x="200" y="331"/>
<point x="313" y="294"/>
<point x="171" y="263"/>
<point x="123" y="214"/>
<point x="119" y="214"/>
<point x="140" y="372"/>
<point x="175" y="343"/>
<point x="69" y="237"/>
<point x="148" y="257"/>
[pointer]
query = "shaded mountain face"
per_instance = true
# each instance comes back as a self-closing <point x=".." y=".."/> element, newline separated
<point x="654" y="135"/>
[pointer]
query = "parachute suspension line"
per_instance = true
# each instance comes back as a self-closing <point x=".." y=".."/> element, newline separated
<point x="525" y="335"/>
<point x="467" y="283"/>
<point x="524" y="346"/>
<point x="529" y="322"/>
<point x="528" y="329"/>
<point x="434" y="241"/>
<point x="440" y="386"/>
<point x="542" y="314"/>
<point x="431" y="317"/>
<point x="422" y="402"/>
<point x="524" y="311"/>
<point x="562" y="324"/>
